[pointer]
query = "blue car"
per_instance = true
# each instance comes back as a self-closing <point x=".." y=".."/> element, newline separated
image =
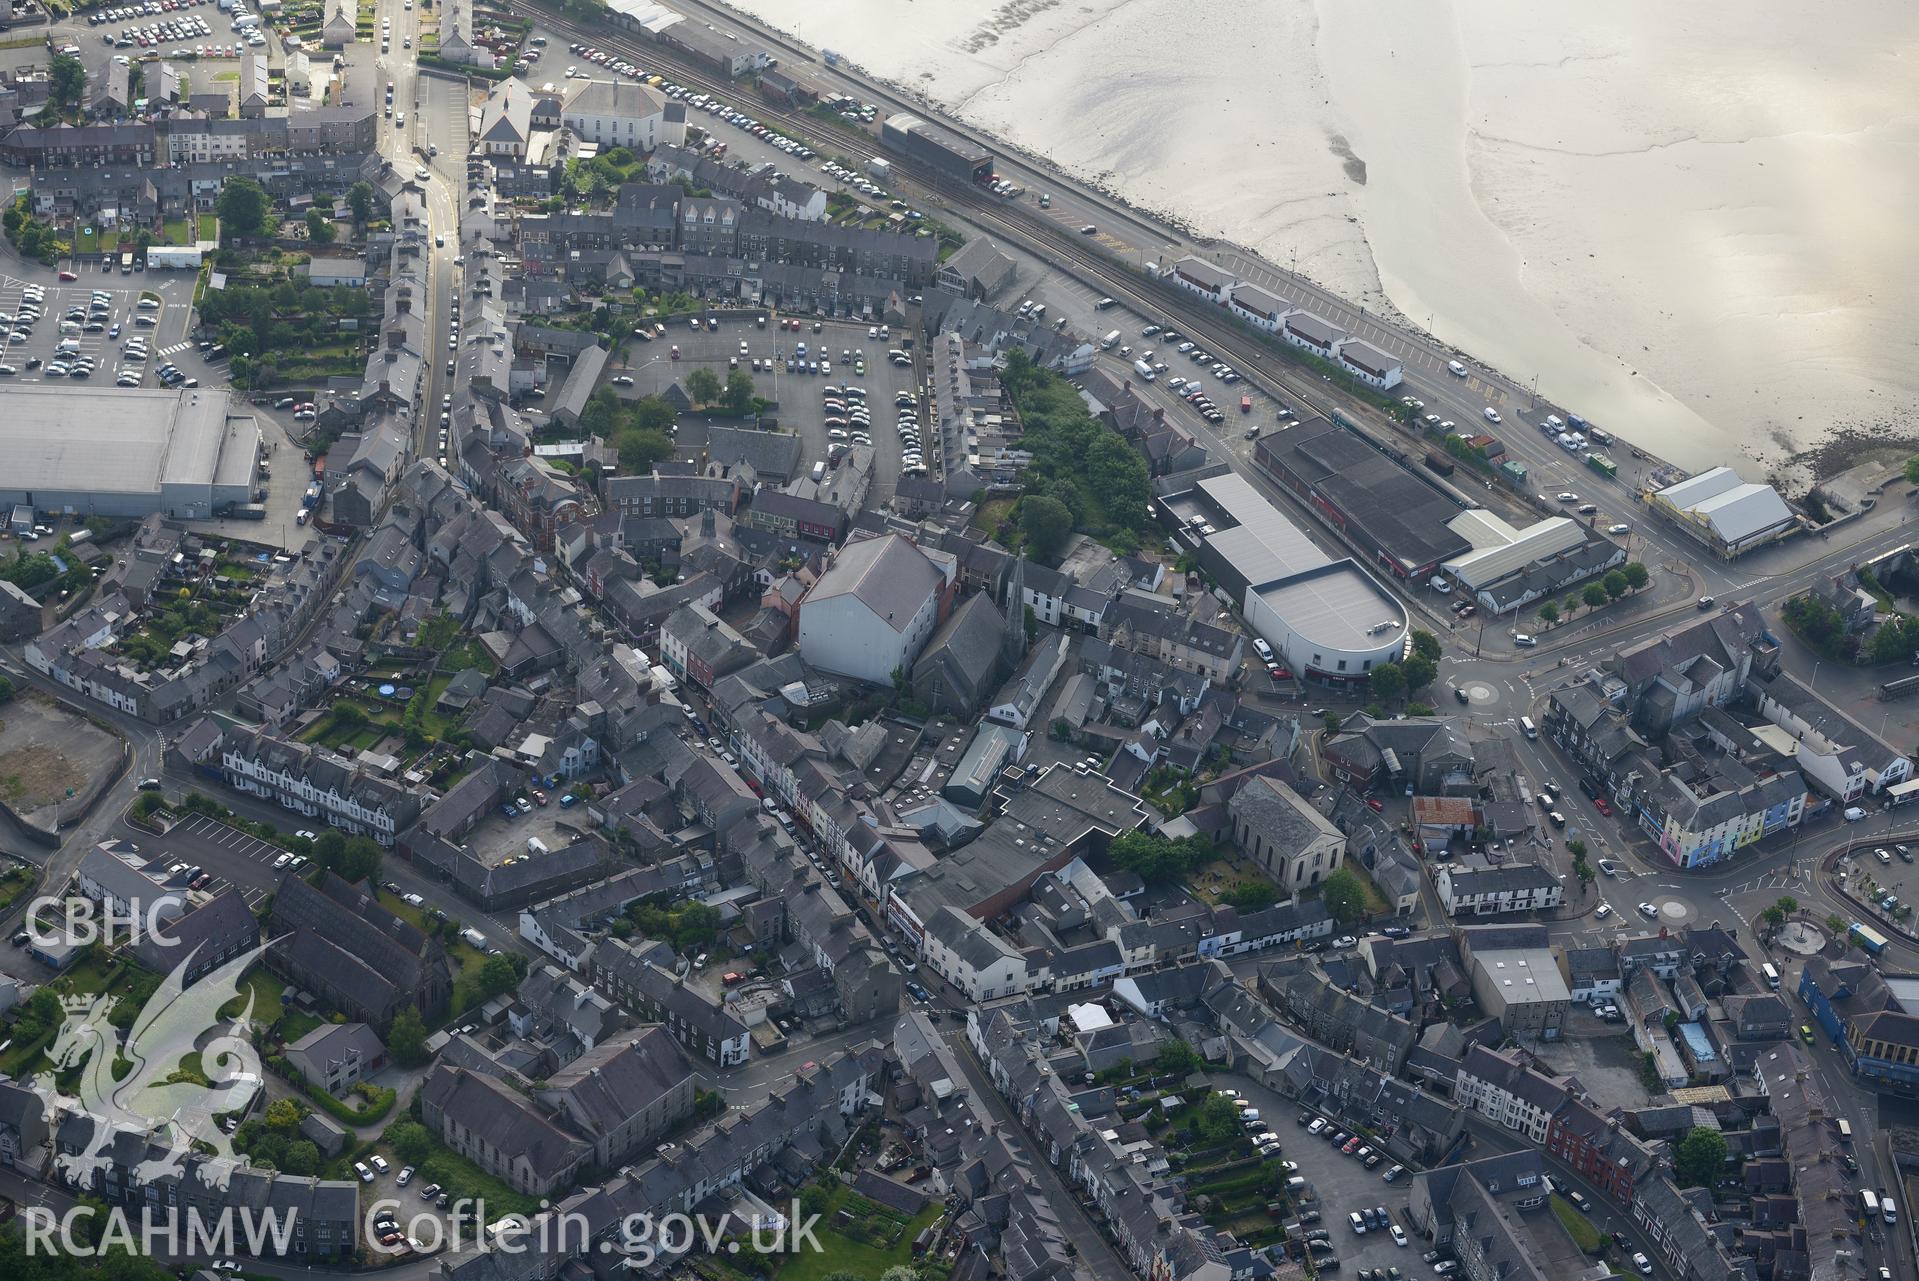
<point x="507" y="811"/>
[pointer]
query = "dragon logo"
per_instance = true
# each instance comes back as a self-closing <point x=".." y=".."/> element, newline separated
<point x="180" y="1068"/>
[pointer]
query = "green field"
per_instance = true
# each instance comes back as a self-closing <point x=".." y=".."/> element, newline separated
<point x="841" y="1253"/>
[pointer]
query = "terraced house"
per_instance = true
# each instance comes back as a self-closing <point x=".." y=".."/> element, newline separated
<point x="312" y="781"/>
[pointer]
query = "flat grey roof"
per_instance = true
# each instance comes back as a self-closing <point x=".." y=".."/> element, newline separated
<point x="1333" y="606"/>
<point x="110" y="440"/>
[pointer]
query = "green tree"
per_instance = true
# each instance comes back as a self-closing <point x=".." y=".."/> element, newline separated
<point x="329" y="849"/>
<point x="1583" y="870"/>
<point x="703" y="385"/>
<point x="1615" y="584"/>
<point x="1637" y="575"/>
<point x="1700" y="1158"/>
<point x="319" y="228"/>
<point x="737" y="396"/>
<point x="1773" y="917"/>
<point x="407" y="1038"/>
<point x="1217" y="1119"/>
<point x="68" y="85"/>
<point x="348" y="718"/>
<point x="1156" y="858"/>
<point x="1549" y="613"/>
<point x="1912" y="470"/>
<point x="1787" y="904"/>
<point x="1046" y="522"/>
<point x="1569" y="606"/>
<point x="496" y="976"/>
<point x="1835" y="924"/>
<point x="1250" y="896"/>
<point x="1426" y="645"/>
<point x="361" y="859"/>
<point x="359" y="200"/>
<point x="1420" y="672"/>
<point x="1388" y="682"/>
<point x="1177" y="1057"/>
<point x="411" y="1140"/>
<point x="242" y="206"/>
<point x="282" y="1115"/>
<point x="640" y="450"/>
<point x="1343" y="895"/>
<point x="652" y="413"/>
<point x="1594" y="595"/>
<point x="302" y="1156"/>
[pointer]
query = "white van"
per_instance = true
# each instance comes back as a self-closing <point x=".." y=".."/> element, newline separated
<point x="1456" y="369"/>
<point x="1854" y="813"/>
<point x="1527" y="727"/>
<point x="1771" y="972"/>
<point x="1525" y="640"/>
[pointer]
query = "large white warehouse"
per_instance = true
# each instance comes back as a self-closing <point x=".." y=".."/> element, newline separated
<point x="92" y="451"/>
<point x="1326" y="619"/>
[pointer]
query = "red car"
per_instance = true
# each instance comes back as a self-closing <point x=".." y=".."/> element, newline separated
<point x="1599" y="803"/>
<point x="1351" y="1146"/>
<point x="67" y="275"/>
<point x="1281" y="673"/>
<point x="1373" y="803"/>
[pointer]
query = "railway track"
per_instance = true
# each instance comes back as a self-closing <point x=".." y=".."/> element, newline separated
<point x="1262" y="368"/>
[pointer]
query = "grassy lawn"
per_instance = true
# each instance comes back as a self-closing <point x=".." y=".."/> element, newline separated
<point x="1578" y="1226"/>
<point x="461" y="1178"/>
<point x="992" y="513"/>
<point x="209" y="227"/>
<point x="295" y="1024"/>
<point x="1376" y="902"/>
<point x="468" y="653"/>
<point x="840" y="1253"/>
<point x="266" y="991"/>
<point x="176" y="231"/>
<point x="328" y="733"/>
<point x="86" y="241"/>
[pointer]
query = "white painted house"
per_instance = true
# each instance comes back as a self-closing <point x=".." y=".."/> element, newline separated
<point x="1258" y="307"/>
<point x="620" y="113"/>
<point x="873" y="610"/>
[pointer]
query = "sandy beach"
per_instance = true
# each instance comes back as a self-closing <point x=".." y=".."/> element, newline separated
<point x="1690" y="223"/>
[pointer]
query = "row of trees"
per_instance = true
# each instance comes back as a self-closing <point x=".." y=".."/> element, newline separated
<point x="1628" y="578"/>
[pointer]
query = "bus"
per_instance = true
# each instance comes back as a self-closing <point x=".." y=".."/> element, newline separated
<point x="1867" y="937"/>
<point x="1772" y="975"/>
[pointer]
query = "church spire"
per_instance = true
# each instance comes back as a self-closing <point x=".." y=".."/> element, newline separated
<point x="1013" y="645"/>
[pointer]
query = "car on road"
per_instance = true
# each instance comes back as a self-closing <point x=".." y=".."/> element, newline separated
<point x="1640" y="1261"/>
<point x="1706" y="602"/>
<point x="1604" y="911"/>
<point x="1609" y="867"/>
<point x="1805" y="1034"/>
<point x="1648" y="911"/>
<point x="1567" y="496"/>
<point x="1345" y="940"/>
<point x="1491" y="414"/>
<point x="1580" y="1203"/>
<point x="1619" y="529"/>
